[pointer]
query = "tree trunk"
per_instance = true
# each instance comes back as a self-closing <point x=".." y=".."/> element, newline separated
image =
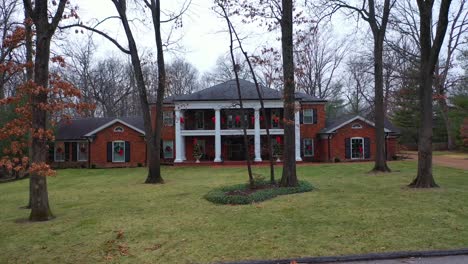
<point x="154" y="172"/>
<point x="40" y="210"/>
<point x="154" y="175"/>
<point x="241" y="103"/>
<point x="289" y="177"/>
<point x="430" y="50"/>
<point x="380" y="159"/>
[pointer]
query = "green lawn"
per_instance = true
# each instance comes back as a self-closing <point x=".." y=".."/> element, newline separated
<point x="350" y="212"/>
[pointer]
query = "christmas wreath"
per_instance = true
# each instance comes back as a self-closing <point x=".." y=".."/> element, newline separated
<point x="83" y="150"/>
<point x="119" y="150"/>
<point x="59" y="150"/>
<point x="168" y="149"/>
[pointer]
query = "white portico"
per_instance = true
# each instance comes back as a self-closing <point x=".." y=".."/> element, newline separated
<point x="223" y="124"/>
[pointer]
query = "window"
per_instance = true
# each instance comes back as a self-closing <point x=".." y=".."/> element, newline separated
<point x="275" y="118"/>
<point x="199" y="120"/>
<point x="118" y="129"/>
<point x="356" y="126"/>
<point x="118" y="151"/>
<point x="168" y="118"/>
<point x="308" y="147"/>
<point x="82" y="151"/>
<point x="308" y="116"/>
<point x="168" y="149"/>
<point x="59" y="152"/>
<point x="357" y="148"/>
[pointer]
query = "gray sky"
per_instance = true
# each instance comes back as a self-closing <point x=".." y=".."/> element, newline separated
<point x="202" y="36"/>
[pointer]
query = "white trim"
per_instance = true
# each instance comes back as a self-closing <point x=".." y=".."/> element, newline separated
<point x="351" y="148"/>
<point x="303" y="116"/>
<point x="78" y="152"/>
<point x="304" y="145"/>
<point x="119" y="128"/>
<point x="118" y="141"/>
<point x="110" y="124"/>
<point x="234" y="104"/>
<point x="229" y="132"/>
<point x="352" y="120"/>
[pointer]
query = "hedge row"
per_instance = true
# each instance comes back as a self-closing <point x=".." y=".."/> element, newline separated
<point x="219" y="195"/>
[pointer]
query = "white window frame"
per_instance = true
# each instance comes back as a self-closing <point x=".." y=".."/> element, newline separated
<point x="356" y="126"/>
<point x="202" y="119"/>
<point x="119" y="128"/>
<point x="304" y="147"/>
<point x="55" y="152"/>
<point x="304" y="111"/>
<point x="113" y="152"/>
<point x="78" y="150"/>
<point x="168" y="115"/>
<point x="351" y="148"/>
<point x="164" y="149"/>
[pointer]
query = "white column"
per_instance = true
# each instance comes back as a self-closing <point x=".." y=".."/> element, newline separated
<point x="178" y="141"/>
<point x="217" y="135"/>
<point x="182" y="141"/>
<point x="298" y="135"/>
<point x="258" y="156"/>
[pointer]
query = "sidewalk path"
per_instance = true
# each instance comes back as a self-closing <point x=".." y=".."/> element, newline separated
<point x="454" y="162"/>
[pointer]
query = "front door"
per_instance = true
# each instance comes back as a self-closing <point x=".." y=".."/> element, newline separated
<point x="236" y="150"/>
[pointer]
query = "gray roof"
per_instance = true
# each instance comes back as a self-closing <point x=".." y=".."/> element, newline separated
<point x="76" y="129"/>
<point x="227" y="91"/>
<point x="331" y="123"/>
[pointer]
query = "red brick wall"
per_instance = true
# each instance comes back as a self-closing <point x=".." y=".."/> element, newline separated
<point x="311" y="130"/>
<point x="98" y="148"/>
<point x="338" y="139"/>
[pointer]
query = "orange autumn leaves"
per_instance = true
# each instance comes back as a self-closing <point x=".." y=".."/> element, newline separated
<point x="62" y="99"/>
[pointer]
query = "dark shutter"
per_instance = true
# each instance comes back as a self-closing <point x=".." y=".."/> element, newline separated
<point x="67" y="151"/>
<point x="109" y="151"/>
<point x="347" y="148"/>
<point x="51" y="152"/>
<point x="301" y="116"/>
<point x="367" y="152"/>
<point x="74" y="151"/>
<point x="315" y="115"/>
<point x="127" y="151"/>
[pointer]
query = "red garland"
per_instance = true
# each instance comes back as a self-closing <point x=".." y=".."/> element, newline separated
<point x="278" y="139"/>
<point x="237" y="119"/>
<point x="261" y="118"/>
<point x="195" y="141"/>
<point x="223" y="120"/>
<point x="253" y="120"/>
<point x="213" y="119"/>
<point x="181" y="120"/>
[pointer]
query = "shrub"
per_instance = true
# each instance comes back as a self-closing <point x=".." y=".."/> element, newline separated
<point x="220" y="196"/>
<point x="93" y="166"/>
<point x="140" y="164"/>
<point x="337" y="159"/>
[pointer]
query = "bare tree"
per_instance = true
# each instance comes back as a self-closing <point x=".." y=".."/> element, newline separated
<point x="429" y="55"/>
<point x="8" y="51"/>
<point x="318" y="59"/>
<point x="182" y="78"/>
<point x="222" y="71"/>
<point x="359" y="86"/>
<point x="368" y="11"/>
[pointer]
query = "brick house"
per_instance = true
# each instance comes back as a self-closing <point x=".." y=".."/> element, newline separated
<point x="211" y="119"/>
